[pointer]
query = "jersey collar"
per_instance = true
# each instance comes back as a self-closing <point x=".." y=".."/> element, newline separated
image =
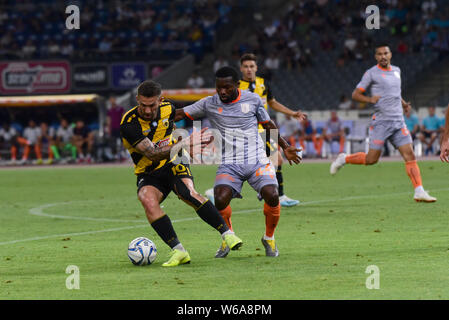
<point x="383" y="69"/>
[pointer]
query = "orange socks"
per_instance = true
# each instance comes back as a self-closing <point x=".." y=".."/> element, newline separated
<point x="272" y="215"/>
<point x="414" y="173"/>
<point x="356" y="158"/>
<point x="226" y="214"/>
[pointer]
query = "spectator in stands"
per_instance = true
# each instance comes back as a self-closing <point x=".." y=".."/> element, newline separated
<point x="334" y="132"/>
<point x="220" y="62"/>
<point x="402" y="47"/>
<point x="350" y="42"/>
<point x="83" y="139"/>
<point x="113" y="119"/>
<point x="9" y="138"/>
<point x="31" y="134"/>
<point x="429" y="130"/>
<point x="195" y="81"/>
<point x="155" y="71"/>
<point x="412" y="122"/>
<point x="64" y="141"/>
<point x="29" y="49"/>
<point x="345" y="103"/>
<point x="46" y="140"/>
<point x="272" y="62"/>
<point x="307" y="133"/>
<point x="290" y="129"/>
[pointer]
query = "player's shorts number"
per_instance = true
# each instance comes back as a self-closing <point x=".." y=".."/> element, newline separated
<point x="180" y="169"/>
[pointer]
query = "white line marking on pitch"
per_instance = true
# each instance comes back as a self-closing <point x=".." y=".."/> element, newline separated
<point x="39" y="212"/>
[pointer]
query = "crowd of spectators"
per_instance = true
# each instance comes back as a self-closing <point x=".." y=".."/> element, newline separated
<point x="336" y="26"/>
<point x="69" y="138"/>
<point x="127" y="29"/>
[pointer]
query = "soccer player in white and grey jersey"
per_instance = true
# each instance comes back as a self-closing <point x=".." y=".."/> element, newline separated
<point x="388" y="122"/>
<point x="236" y="114"/>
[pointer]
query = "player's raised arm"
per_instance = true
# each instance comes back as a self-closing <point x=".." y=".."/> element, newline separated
<point x="279" y="107"/>
<point x="291" y="153"/>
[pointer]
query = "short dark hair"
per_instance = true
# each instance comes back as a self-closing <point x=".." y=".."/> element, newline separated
<point x="226" y="72"/>
<point x="149" y="88"/>
<point x="248" y="57"/>
<point x="380" y="45"/>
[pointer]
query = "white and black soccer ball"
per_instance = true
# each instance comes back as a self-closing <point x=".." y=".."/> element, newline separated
<point x="142" y="251"/>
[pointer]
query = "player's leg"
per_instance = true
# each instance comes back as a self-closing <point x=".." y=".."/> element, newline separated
<point x="184" y="188"/>
<point x="262" y="178"/>
<point x="223" y="195"/>
<point x="412" y="169"/>
<point x="228" y="185"/>
<point x="377" y="136"/>
<point x="360" y="158"/>
<point x="272" y="213"/>
<point x="151" y="194"/>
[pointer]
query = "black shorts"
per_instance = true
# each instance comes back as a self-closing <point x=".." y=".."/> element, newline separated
<point x="165" y="178"/>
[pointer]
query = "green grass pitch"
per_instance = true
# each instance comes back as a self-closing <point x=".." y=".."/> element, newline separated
<point x="363" y="216"/>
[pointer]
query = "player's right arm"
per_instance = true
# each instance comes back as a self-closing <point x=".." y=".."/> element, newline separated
<point x="357" y="94"/>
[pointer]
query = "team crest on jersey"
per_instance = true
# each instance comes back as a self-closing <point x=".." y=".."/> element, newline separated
<point x="165" y="123"/>
<point x="245" y="107"/>
<point x="397" y="75"/>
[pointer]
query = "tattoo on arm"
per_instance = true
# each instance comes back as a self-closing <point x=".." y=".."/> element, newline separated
<point x="147" y="148"/>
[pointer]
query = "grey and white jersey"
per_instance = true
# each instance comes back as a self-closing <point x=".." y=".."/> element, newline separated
<point x="32" y="134"/>
<point x="386" y="84"/>
<point x="65" y="134"/>
<point x="237" y="123"/>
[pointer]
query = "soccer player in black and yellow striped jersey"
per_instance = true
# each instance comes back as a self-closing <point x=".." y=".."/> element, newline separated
<point x="250" y="81"/>
<point x="146" y="131"/>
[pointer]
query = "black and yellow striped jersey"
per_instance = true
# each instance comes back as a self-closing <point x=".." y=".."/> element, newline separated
<point x="134" y="129"/>
<point x="260" y="87"/>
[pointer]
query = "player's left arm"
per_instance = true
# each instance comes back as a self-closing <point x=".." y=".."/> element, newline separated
<point x="291" y="153"/>
<point x="279" y="107"/>
<point x="406" y="105"/>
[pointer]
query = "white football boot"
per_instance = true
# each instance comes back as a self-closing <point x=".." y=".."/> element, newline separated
<point x="339" y="162"/>
<point x="422" y="196"/>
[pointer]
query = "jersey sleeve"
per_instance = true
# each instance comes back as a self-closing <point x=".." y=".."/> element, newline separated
<point x="261" y="113"/>
<point x="196" y="110"/>
<point x="365" y="82"/>
<point x="132" y="132"/>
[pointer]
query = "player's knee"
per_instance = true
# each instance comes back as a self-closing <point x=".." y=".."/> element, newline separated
<point x="149" y="203"/>
<point x="270" y="195"/>
<point x="191" y="197"/>
<point x="371" y="161"/>
<point x="222" y="197"/>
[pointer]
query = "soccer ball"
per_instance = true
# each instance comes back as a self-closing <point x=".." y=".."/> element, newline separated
<point x="142" y="251"/>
